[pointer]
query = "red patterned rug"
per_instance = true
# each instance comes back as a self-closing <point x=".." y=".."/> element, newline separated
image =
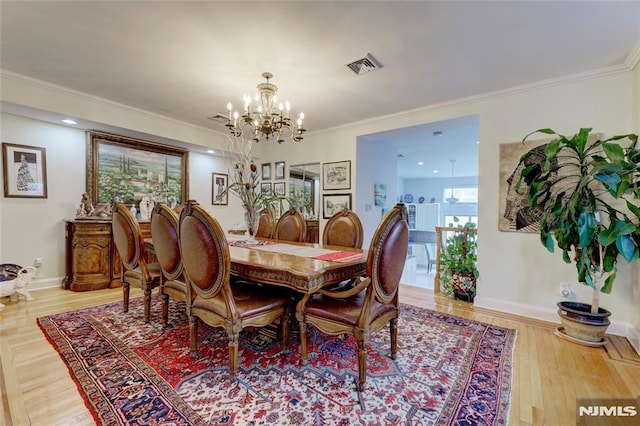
<point x="449" y="371"/>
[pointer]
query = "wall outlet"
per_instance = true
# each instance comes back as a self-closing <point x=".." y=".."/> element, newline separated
<point x="38" y="262"/>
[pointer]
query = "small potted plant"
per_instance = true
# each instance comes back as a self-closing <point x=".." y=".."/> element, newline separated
<point x="586" y="194"/>
<point x="458" y="262"/>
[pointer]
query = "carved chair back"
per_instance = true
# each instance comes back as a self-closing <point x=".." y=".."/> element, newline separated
<point x="291" y="227"/>
<point x="266" y="224"/>
<point x="343" y="229"/>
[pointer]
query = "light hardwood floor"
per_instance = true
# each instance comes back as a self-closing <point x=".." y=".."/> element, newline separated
<point x="548" y="373"/>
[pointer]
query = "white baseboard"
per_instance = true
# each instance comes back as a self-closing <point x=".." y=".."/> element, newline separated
<point x="618" y="328"/>
<point x="41" y="284"/>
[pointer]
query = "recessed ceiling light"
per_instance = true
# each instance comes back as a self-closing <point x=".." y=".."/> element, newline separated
<point x="435" y="171"/>
<point x="477" y="142"/>
<point x="69" y="121"/>
<point x="420" y="163"/>
<point x="210" y="151"/>
<point x="437" y="133"/>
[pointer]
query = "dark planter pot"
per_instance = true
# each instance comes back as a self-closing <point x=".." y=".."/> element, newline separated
<point x="464" y="296"/>
<point x="580" y="324"/>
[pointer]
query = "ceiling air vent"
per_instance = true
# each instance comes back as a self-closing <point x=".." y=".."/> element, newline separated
<point x="220" y="118"/>
<point x="365" y="65"/>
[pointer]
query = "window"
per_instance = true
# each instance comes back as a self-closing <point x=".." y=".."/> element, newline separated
<point x="464" y="195"/>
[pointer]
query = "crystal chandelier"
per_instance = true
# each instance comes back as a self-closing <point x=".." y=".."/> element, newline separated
<point x="267" y="118"/>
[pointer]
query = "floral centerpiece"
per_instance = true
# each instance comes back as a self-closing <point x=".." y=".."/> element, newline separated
<point x="244" y="183"/>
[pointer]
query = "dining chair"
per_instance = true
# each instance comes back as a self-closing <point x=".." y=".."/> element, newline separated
<point x="266" y="224"/>
<point x="213" y="300"/>
<point x="164" y="233"/>
<point x="135" y="269"/>
<point x="291" y="227"/>
<point x="343" y="229"/>
<point x="373" y="302"/>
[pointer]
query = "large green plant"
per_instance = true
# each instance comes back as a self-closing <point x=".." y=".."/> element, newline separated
<point x="458" y="262"/>
<point x="587" y="193"/>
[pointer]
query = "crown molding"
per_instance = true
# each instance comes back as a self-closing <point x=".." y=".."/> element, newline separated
<point x="633" y="57"/>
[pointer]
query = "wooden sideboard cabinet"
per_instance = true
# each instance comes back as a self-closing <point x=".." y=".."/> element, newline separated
<point x="92" y="261"/>
<point x="313" y="231"/>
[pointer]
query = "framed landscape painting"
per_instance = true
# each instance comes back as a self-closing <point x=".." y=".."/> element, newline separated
<point x="25" y="171"/>
<point x="128" y="169"/>
<point x="333" y="203"/>
<point x="336" y="175"/>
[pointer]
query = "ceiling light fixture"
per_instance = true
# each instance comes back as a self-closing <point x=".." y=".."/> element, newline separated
<point x="69" y="121"/>
<point x="452" y="199"/>
<point x="267" y="119"/>
<point x="420" y="163"/>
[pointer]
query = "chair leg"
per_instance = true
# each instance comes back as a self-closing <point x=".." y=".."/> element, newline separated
<point x="147" y="304"/>
<point x="165" y="309"/>
<point x="193" y="333"/>
<point x="233" y="353"/>
<point x="125" y="296"/>
<point x="362" y="364"/>
<point x="285" y="324"/>
<point x="393" y="329"/>
<point x="303" y="343"/>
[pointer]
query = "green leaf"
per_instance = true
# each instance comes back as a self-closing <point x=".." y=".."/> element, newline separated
<point x="633" y="208"/>
<point x="627" y="247"/>
<point x="610" y="181"/>
<point x="586" y="228"/>
<point x="614" y="152"/>
<point x="608" y="284"/>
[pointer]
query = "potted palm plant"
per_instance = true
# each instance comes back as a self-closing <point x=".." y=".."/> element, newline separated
<point x="458" y="262"/>
<point x="586" y="194"/>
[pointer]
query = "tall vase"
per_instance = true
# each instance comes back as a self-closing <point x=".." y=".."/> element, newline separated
<point x="251" y="219"/>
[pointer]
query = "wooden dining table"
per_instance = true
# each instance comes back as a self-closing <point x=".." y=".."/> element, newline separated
<point x="303" y="267"/>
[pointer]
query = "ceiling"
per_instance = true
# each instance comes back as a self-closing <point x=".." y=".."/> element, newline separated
<point x="185" y="60"/>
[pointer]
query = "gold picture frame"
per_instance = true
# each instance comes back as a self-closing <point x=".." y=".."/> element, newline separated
<point x="129" y="169"/>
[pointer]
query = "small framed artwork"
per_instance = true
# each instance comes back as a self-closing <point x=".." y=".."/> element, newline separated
<point x="266" y="171"/>
<point x="279" y="188"/>
<point x="265" y="187"/>
<point x="219" y="182"/>
<point x="333" y="203"/>
<point x="25" y="171"/>
<point x="279" y="169"/>
<point x="336" y="175"/>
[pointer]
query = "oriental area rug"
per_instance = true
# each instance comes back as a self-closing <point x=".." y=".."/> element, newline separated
<point x="449" y="371"/>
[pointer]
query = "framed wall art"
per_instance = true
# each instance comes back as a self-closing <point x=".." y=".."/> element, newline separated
<point x="24" y="171"/>
<point x="266" y="171"/>
<point x="279" y="188"/>
<point x="516" y="213"/>
<point x="336" y="175"/>
<point x="219" y="183"/>
<point x="333" y="203"/>
<point x="128" y="169"/>
<point x="279" y="166"/>
<point x="265" y="187"/>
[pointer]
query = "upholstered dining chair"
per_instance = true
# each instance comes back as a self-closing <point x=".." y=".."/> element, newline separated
<point x="213" y="300"/>
<point x="373" y="302"/>
<point x="266" y="224"/>
<point x="343" y="229"/>
<point x="164" y="233"/>
<point x="135" y="270"/>
<point x="291" y="227"/>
